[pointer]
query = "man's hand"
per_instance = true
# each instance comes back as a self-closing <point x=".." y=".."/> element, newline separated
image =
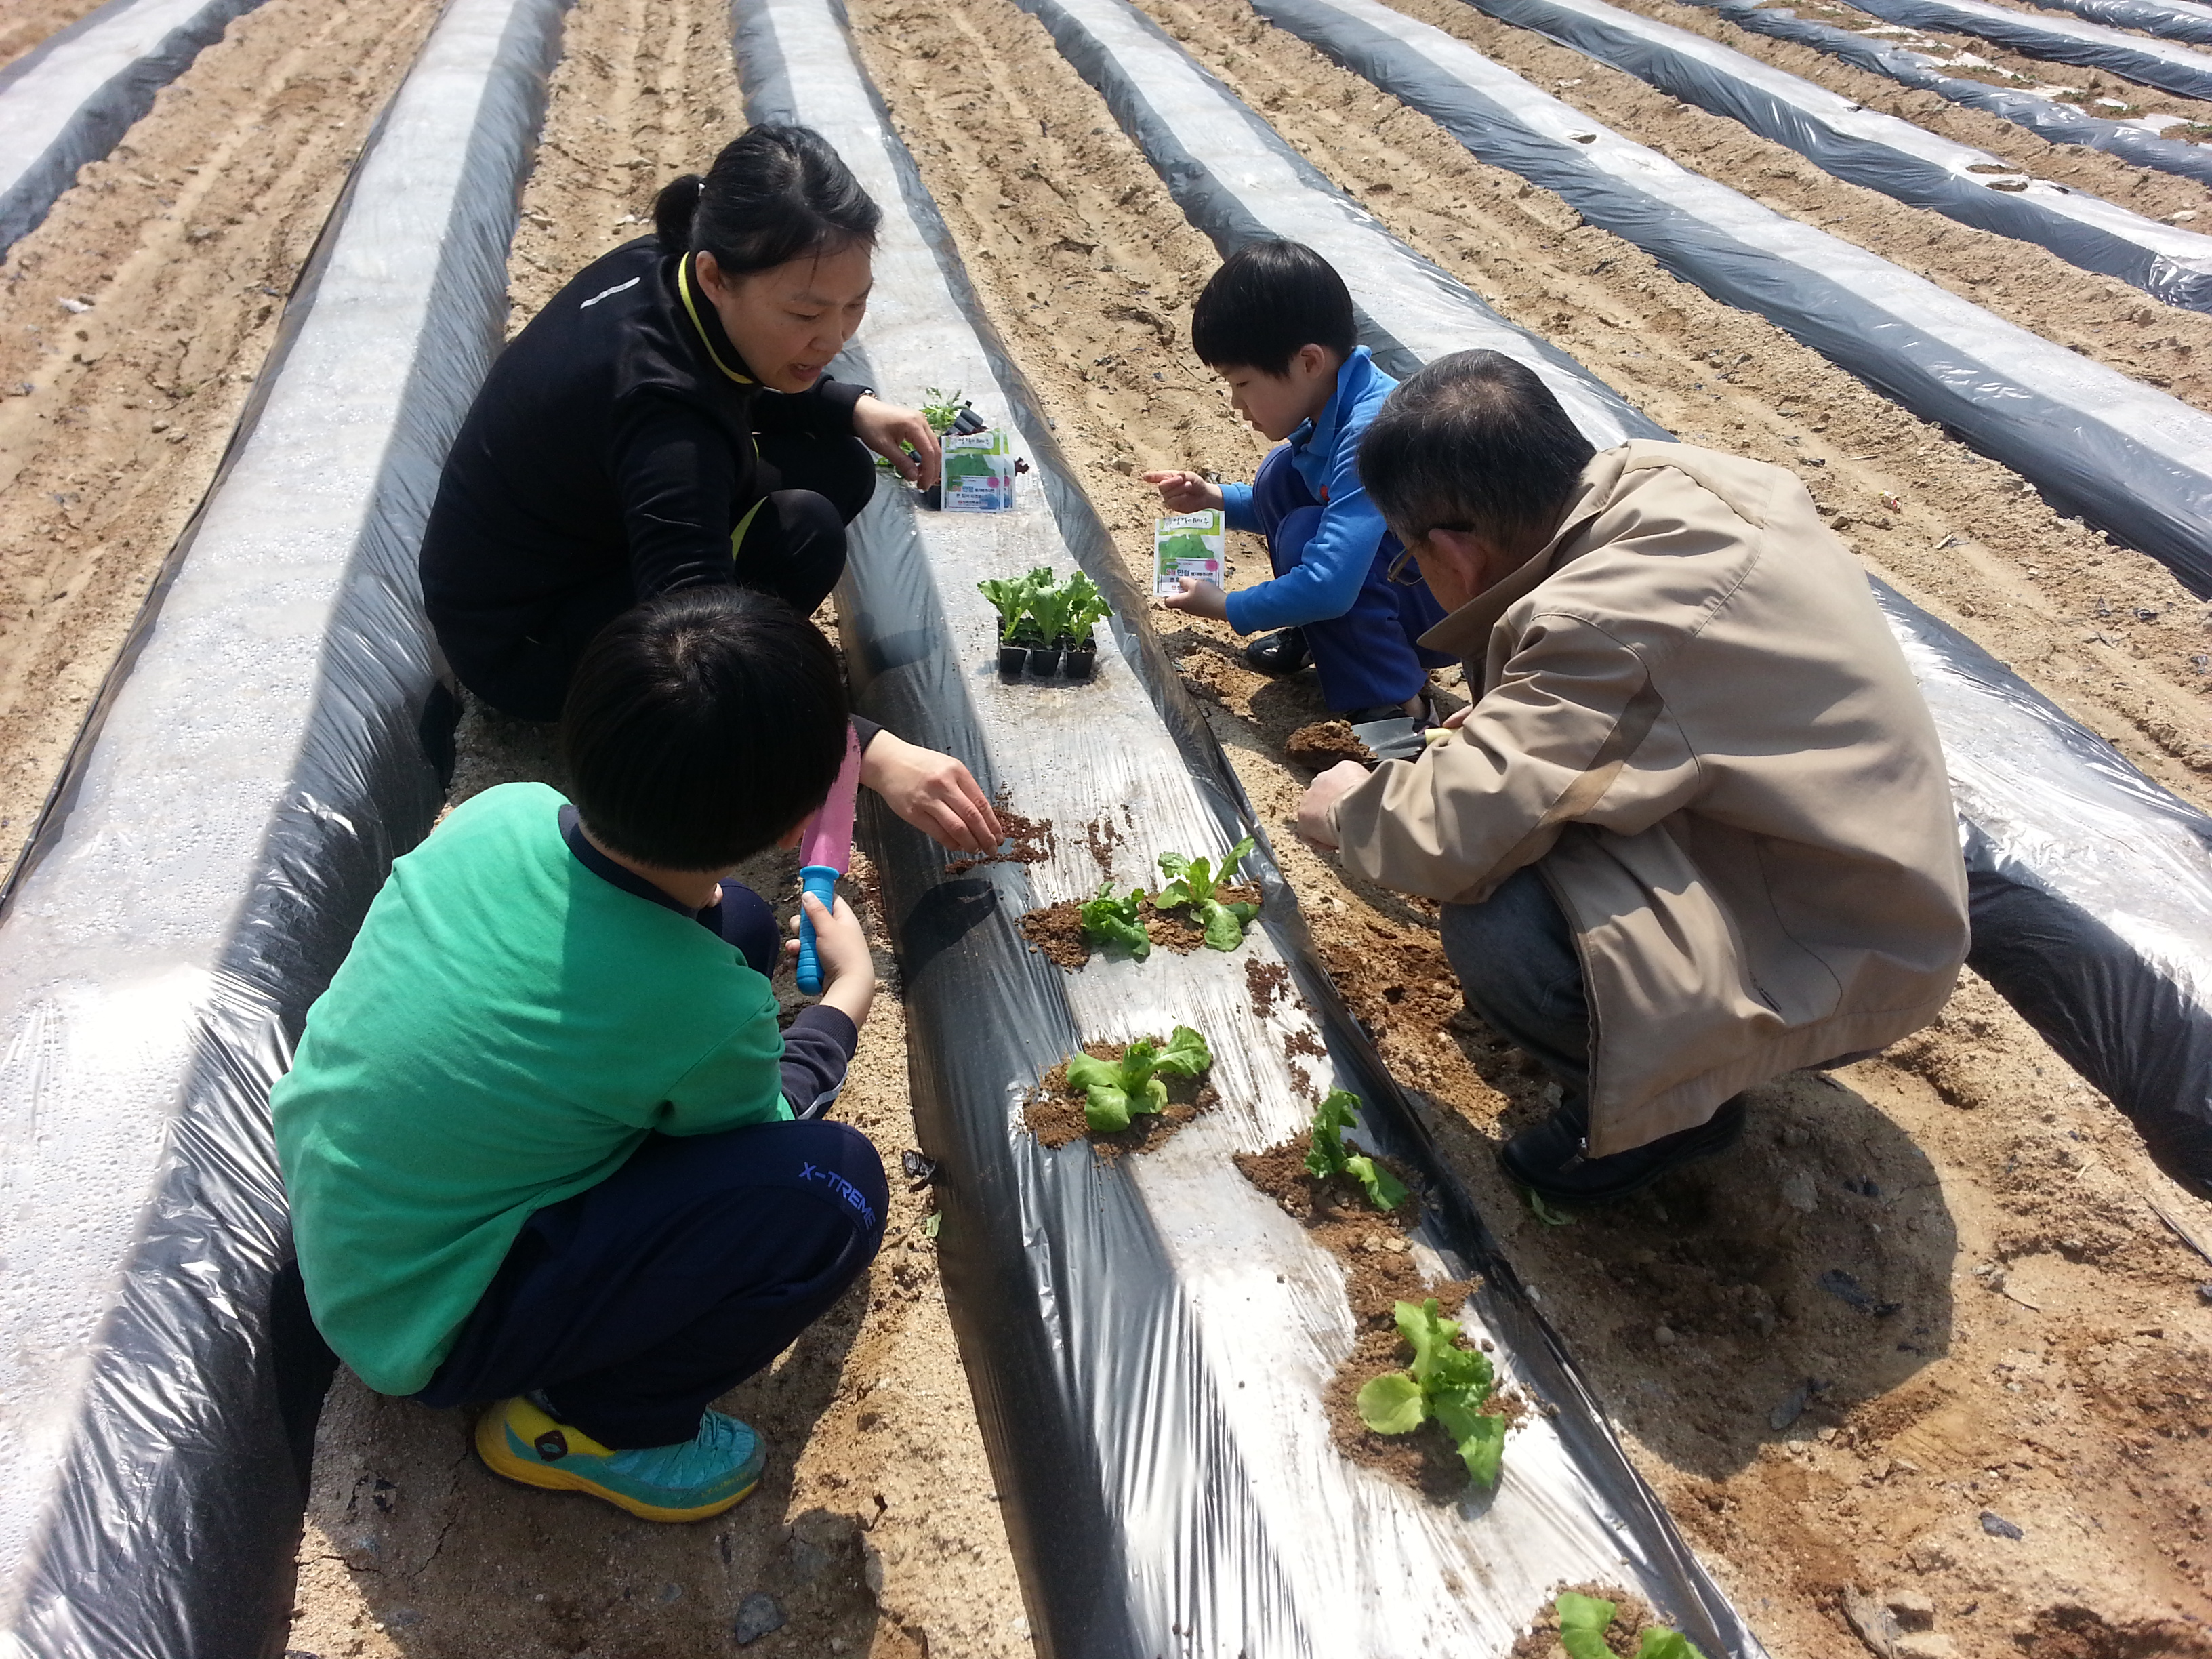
<point x="848" y="971"/>
<point x="1185" y="492"/>
<point x="1323" y="793"/>
<point x="1199" y="599"/>
<point x="886" y="427"/>
<point x="934" y="792"/>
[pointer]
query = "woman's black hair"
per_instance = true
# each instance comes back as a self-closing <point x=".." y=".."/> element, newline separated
<point x="775" y="195"/>
<point x="702" y="725"/>
<point x="1268" y="299"/>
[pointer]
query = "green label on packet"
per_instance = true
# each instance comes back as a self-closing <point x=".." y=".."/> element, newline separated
<point x="1185" y="544"/>
<point x="979" y="472"/>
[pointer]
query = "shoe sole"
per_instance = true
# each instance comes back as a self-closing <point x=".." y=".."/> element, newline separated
<point x="492" y="1448"/>
<point x="1713" y="1148"/>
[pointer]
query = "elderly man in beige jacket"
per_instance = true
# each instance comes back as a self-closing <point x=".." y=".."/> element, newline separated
<point x="1695" y="832"/>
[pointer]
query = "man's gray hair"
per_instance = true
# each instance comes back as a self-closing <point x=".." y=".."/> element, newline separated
<point x="1473" y="443"/>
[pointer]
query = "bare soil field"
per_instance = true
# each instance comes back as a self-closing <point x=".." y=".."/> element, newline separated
<point x="29" y="22"/>
<point x="1924" y="1334"/>
<point x="185" y="242"/>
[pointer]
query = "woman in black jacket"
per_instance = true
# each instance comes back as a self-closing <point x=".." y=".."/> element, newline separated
<point x="665" y="422"/>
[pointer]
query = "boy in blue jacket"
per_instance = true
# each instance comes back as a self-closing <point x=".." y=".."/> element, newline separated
<point x="545" y="1145"/>
<point x="1276" y="323"/>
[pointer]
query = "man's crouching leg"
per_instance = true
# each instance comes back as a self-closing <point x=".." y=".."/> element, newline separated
<point x="621" y="1312"/>
<point x="1514" y="956"/>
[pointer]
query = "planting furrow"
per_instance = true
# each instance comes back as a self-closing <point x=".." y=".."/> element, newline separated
<point x="67" y="102"/>
<point x="1882" y="152"/>
<point x="2120" y="870"/>
<point x="1150" y="1339"/>
<point x="247" y="776"/>
<point x="2047" y="118"/>
<point x="2062" y="40"/>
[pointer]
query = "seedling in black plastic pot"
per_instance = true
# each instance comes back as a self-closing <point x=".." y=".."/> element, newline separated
<point x="1109" y="920"/>
<point x="1192" y="884"/>
<point x="1446" y="1382"/>
<point x="1113" y="1090"/>
<point x="1326" y="1156"/>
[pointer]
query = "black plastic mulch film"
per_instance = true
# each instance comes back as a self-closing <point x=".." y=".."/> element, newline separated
<point x="1882" y="152"/>
<point x="250" y="770"/>
<point x="2192" y="24"/>
<point x="2047" y="118"/>
<point x="1147" y="1340"/>
<point x="2092" y="886"/>
<point x="66" y="101"/>
<point x="2155" y="64"/>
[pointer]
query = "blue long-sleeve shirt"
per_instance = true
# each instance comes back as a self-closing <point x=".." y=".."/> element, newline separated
<point x="1326" y="454"/>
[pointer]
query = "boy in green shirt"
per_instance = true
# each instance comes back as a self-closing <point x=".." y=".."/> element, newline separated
<point x="543" y="1143"/>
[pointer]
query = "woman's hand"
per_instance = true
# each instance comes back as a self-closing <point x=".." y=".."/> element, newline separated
<point x="885" y="428"/>
<point x="1185" y="492"/>
<point x="1199" y="599"/>
<point x="934" y="792"/>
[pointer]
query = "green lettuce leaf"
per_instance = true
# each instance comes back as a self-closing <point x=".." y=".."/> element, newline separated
<point x="1583" y="1620"/>
<point x="1392" y="1403"/>
<point x="1383" y="1188"/>
<point x="1224" y="928"/>
<point x="1325" y="1153"/>
<point x="1109" y="920"/>
<point x="1186" y="1054"/>
<point x="1666" y="1644"/>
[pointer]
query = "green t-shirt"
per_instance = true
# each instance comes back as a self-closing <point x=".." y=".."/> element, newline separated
<point x="505" y="1030"/>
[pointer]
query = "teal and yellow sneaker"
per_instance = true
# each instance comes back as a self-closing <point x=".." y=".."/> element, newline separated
<point x="715" y="1470"/>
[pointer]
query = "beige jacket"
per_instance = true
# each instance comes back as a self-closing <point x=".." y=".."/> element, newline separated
<point x="1695" y="724"/>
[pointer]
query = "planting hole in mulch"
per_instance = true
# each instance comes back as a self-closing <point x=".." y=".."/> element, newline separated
<point x="1029" y="841"/>
<point x="1057" y="929"/>
<point x="1624" y="1635"/>
<point x="1322" y="744"/>
<point x="1054" y="1111"/>
<point x="1379" y="1273"/>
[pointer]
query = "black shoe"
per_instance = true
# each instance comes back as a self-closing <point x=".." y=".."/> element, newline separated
<point x="1283" y="652"/>
<point x="1549" y="1159"/>
<point x="441" y="718"/>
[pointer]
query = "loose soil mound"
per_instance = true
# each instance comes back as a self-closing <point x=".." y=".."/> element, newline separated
<point x="1375" y="1248"/>
<point x="1322" y="744"/>
<point x="1624" y="1635"/>
<point x="1054" y="1111"/>
<point x="1057" y="930"/>
<point x="1029" y="841"/>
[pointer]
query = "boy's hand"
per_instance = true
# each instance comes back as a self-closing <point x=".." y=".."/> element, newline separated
<point x="848" y="971"/>
<point x="1185" y="492"/>
<point x="934" y="792"/>
<point x="1199" y="599"/>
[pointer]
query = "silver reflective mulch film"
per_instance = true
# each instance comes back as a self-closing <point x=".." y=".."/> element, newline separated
<point x="66" y="102"/>
<point x="2176" y="20"/>
<point x="2047" y="118"/>
<point x="1148" y="1339"/>
<point x="2063" y="39"/>
<point x="250" y="772"/>
<point x="1882" y="152"/>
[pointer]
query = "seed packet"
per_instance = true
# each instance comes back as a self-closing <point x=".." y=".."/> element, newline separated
<point x="979" y="472"/>
<point x="1185" y="544"/>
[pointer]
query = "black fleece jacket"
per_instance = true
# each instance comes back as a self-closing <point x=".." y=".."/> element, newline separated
<point x="616" y="431"/>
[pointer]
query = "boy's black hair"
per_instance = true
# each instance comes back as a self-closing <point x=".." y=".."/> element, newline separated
<point x="1267" y="301"/>
<point x="1477" y="442"/>
<point x="702" y="725"/>
<point x="776" y="194"/>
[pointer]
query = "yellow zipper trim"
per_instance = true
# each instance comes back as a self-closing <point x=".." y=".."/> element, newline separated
<point x="744" y="524"/>
<point x="683" y="287"/>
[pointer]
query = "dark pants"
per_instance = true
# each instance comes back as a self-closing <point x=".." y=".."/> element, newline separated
<point x="1514" y="956"/>
<point x="1367" y="656"/>
<point x="744" y="919"/>
<point x="632" y="1306"/>
<point x="794" y="548"/>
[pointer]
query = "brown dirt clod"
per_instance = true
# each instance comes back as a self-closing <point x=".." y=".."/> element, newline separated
<point x="1323" y="744"/>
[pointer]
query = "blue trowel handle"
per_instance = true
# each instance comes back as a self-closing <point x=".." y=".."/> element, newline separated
<point x="820" y="880"/>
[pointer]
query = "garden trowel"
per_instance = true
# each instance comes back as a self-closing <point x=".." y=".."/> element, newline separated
<point x="1402" y="738"/>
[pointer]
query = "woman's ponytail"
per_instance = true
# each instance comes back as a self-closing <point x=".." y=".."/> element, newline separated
<point x="776" y="194"/>
<point x="674" y="210"/>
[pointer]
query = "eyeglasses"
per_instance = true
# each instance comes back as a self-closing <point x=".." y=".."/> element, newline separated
<point x="1401" y="569"/>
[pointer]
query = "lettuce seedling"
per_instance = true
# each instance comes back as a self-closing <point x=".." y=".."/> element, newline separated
<point x="1445" y="1382"/>
<point x="1009" y="597"/>
<point x="1192" y="883"/>
<point x="1050" y="603"/>
<point x="1583" y="1622"/>
<point x="1086" y="607"/>
<point x="1109" y="920"/>
<point x="1326" y="1155"/>
<point x="1115" y="1089"/>
<point x="941" y="411"/>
